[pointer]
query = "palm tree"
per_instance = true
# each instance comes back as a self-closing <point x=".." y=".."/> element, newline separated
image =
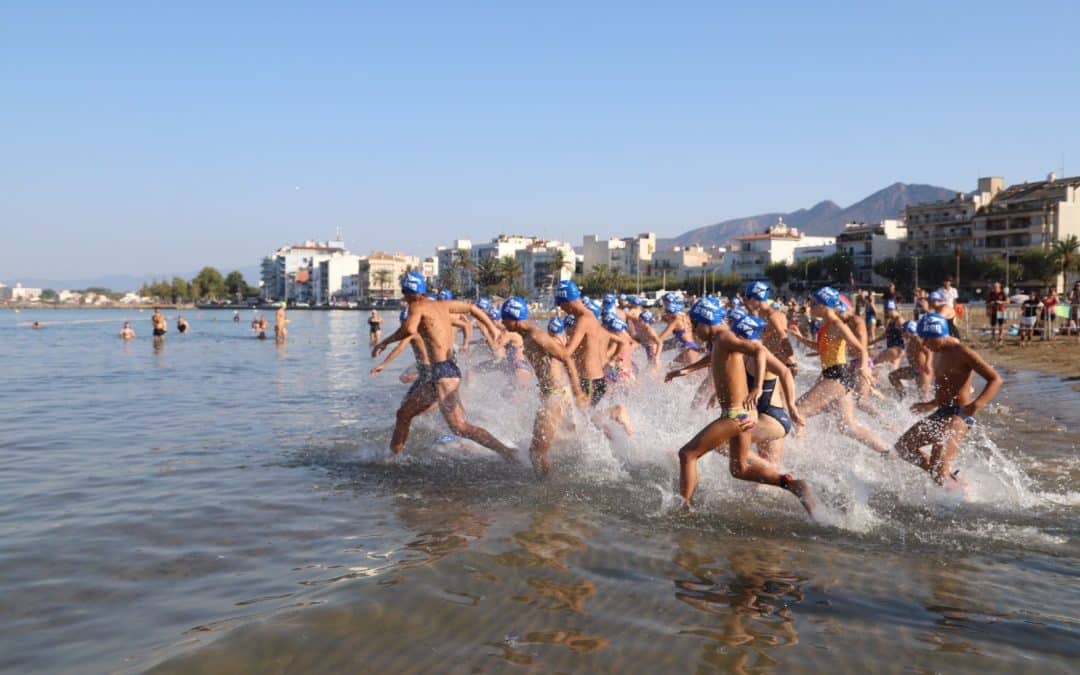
<point x="509" y="271"/>
<point x="556" y="264"/>
<point x="487" y="274"/>
<point x="383" y="278"/>
<point x="463" y="267"/>
<point x="1066" y="253"/>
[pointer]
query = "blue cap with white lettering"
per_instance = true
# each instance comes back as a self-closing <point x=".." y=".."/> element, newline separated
<point x="613" y="323"/>
<point x="483" y="303"/>
<point x="593" y="306"/>
<point x="828" y="296"/>
<point x="707" y="311"/>
<point x="911" y="327"/>
<point x="647" y="317"/>
<point x="749" y="327"/>
<point x="413" y="283"/>
<point x="515" y="309"/>
<point x="567" y="291"/>
<point x="759" y="290"/>
<point x="556" y="326"/>
<point x="933" y="326"/>
<point x="736" y="315"/>
<point x="446" y="294"/>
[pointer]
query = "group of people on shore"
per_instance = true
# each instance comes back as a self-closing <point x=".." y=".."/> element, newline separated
<point x="739" y="350"/>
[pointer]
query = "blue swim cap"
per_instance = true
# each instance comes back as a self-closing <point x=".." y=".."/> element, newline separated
<point x="569" y="321"/>
<point x="610" y="299"/>
<point x="516" y="309"/>
<point x="446" y="294"/>
<point x="890" y="305"/>
<point x="413" y="283"/>
<point x="622" y="297"/>
<point x="749" y="327"/>
<point x="911" y="327"/>
<point x="567" y="291"/>
<point x="404" y="314"/>
<point x="759" y="290"/>
<point x="933" y="326"/>
<point x="636" y="301"/>
<point x="937" y="296"/>
<point x="674" y="307"/>
<point x="828" y="296"/>
<point x="707" y="311"/>
<point x="593" y="306"/>
<point x="556" y="326"/>
<point x="493" y="312"/>
<point x="736" y="315"/>
<point x="613" y="323"/>
<point x="483" y="303"/>
<point x="647" y="317"/>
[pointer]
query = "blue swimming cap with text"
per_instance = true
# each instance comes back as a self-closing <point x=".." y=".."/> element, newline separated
<point x="413" y="283"/>
<point x="828" y="296"/>
<point x="933" y="326"/>
<point x="911" y="327"/>
<point x="483" y="303"/>
<point x="736" y="314"/>
<point x="493" y="312"/>
<point x="749" y="327"/>
<point x="567" y="291"/>
<point x="759" y="290"/>
<point x="708" y="312"/>
<point x="613" y="323"/>
<point x="516" y="309"/>
<point x="556" y="326"/>
<point x="937" y="296"/>
<point x="647" y="317"/>
<point x="593" y="306"/>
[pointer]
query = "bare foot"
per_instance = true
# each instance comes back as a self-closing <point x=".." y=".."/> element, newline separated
<point x="801" y="489"/>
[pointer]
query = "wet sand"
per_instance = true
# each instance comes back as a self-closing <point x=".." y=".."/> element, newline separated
<point x="1059" y="356"/>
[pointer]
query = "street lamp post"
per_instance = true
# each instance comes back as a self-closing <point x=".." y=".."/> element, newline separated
<point x="916" y="259"/>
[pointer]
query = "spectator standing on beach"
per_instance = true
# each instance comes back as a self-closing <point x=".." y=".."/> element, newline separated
<point x="1029" y="314"/>
<point x="891" y="294"/>
<point x="949" y="292"/>
<point x="1050" y="303"/>
<point x="1074" y="310"/>
<point x="375" y="327"/>
<point x="870" y="314"/>
<point x="995" y="312"/>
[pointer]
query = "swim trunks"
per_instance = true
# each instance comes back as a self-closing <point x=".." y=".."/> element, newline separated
<point x="765" y="407"/>
<point x="445" y="370"/>
<point x="423" y="378"/>
<point x="158" y="332"/>
<point x="841" y="373"/>
<point x="745" y="418"/>
<point x="594" y="389"/>
<point x="943" y="413"/>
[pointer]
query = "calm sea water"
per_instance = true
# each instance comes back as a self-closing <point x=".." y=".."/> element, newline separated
<point x="227" y="505"/>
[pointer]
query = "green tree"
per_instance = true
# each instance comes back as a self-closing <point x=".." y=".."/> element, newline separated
<point x="779" y="274"/>
<point x="1067" y="253"/>
<point x="383" y="279"/>
<point x="208" y="283"/>
<point x="235" y="285"/>
<point x="1038" y="265"/>
<point x="179" y="290"/>
<point x="487" y="275"/>
<point x="49" y="295"/>
<point x="510" y="272"/>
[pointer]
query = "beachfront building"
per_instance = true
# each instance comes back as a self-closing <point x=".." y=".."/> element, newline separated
<point x="947" y="226"/>
<point x="1028" y="215"/>
<point x="379" y="274"/>
<point x="627" y="255"/>
<point x="19" y="293"/>
<point x="544" y="264"/>
<point x="327" y="274"/>
<point x="286" y="273"/>
<point x="680" y="262"/>
<point x="752" y="253"/>
<point x="455" y="265"/>
<point x="868" y="245"/>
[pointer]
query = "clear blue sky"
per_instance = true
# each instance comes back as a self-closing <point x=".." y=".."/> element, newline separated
<point x="139" y="138"/>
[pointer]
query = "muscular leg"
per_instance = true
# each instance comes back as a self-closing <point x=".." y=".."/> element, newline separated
<point x="416" y="403"/>
<point x="819" y="397"/>
<point x="711" y="437"/>
<point x="945" y="450"/>
<point x="897" y="377"/>
<point x="743" y="467"/>
<point x="921" y="434"/>
<point x="846" y="408"/>
<point x="454" y="414"/>
<point x="548" y="419"/>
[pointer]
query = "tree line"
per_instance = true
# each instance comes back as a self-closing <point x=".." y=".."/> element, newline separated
<point x="208" y="284"/>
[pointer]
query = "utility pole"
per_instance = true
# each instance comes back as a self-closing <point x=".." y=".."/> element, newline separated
<point x="916" y="259"/>
<point x="1006" y="270"/>
<point x="956" y="252"/>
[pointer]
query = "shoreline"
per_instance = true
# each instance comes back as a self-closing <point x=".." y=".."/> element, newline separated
<point x="1059" y="356"/>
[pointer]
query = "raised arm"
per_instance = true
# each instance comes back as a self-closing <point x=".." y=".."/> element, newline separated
<point x="396" y="352"/>
<point x="399" y="334"/>
<point x="987" y="372"/>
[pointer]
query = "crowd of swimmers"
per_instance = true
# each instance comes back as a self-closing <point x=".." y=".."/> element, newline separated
<point x="738" y="350"/>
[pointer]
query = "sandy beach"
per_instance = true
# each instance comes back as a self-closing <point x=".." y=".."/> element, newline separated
<point x="1058" y="356"/>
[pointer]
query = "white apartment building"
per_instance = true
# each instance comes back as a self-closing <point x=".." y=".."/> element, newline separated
<point x="327" y="273"/>
<point x="19" y="293"/>
<point x="867" y="245"/>
<point x="279" y="273"/>
<point x="752" y="253"/>
<point x="682" y="261"/>
<point x="449" y="266"/>
<point x="539" y="264"/>
<point x="628" y="255"/>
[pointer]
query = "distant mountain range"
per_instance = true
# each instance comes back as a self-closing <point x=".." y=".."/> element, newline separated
<point x="823" y="219"/>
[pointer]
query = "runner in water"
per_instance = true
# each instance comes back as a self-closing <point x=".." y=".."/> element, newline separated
<point x="775" y="338"/>
<point x="738" y="407"/>
<point x="833" y="390"/>
<point x="679" y="327"/>
<point x="953" y="406"/>
<point x="590" y="345"/>
<point x="620" y="367"/>
<point x="556" y="375"/>
<point x="918" y="367"/>
<point x="157" y="320"/>
<point x="281" y="332"/>
<point x="431" y="321"/>
<point x="893" y="335"/>
<point x="374" y="323"/>
<point x="776" y="408"/>
<point x="640" y="321"/>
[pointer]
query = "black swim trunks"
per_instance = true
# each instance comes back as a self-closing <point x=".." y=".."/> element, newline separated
<point x="423" y="379"/>
<point x="445" y="370"/>
<point x="158" y="332"/>
<point x="594" y="389"/>
<point x="945" y="412"/>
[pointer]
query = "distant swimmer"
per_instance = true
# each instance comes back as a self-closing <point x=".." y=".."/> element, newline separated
<point x="833" y="390"/>
<point x="281" y="332"/>
<point x="157" y="320"/>
<point x="432" y="322"/>
<point x="236" y="316"/>
<point x="953" y="407"/>
<point x="556" y="376"/>
<point x="36" y="325"/>
<point x="738" y="407"/>
<point x="893" y="336"/>
<point x="374" y="323"/>
<point x="260" y="325"/>
<point x="590" y="344"/>
<point x="182" y="324"/>
<point x="127" y="332"/>
<point x="918" y="367"/>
